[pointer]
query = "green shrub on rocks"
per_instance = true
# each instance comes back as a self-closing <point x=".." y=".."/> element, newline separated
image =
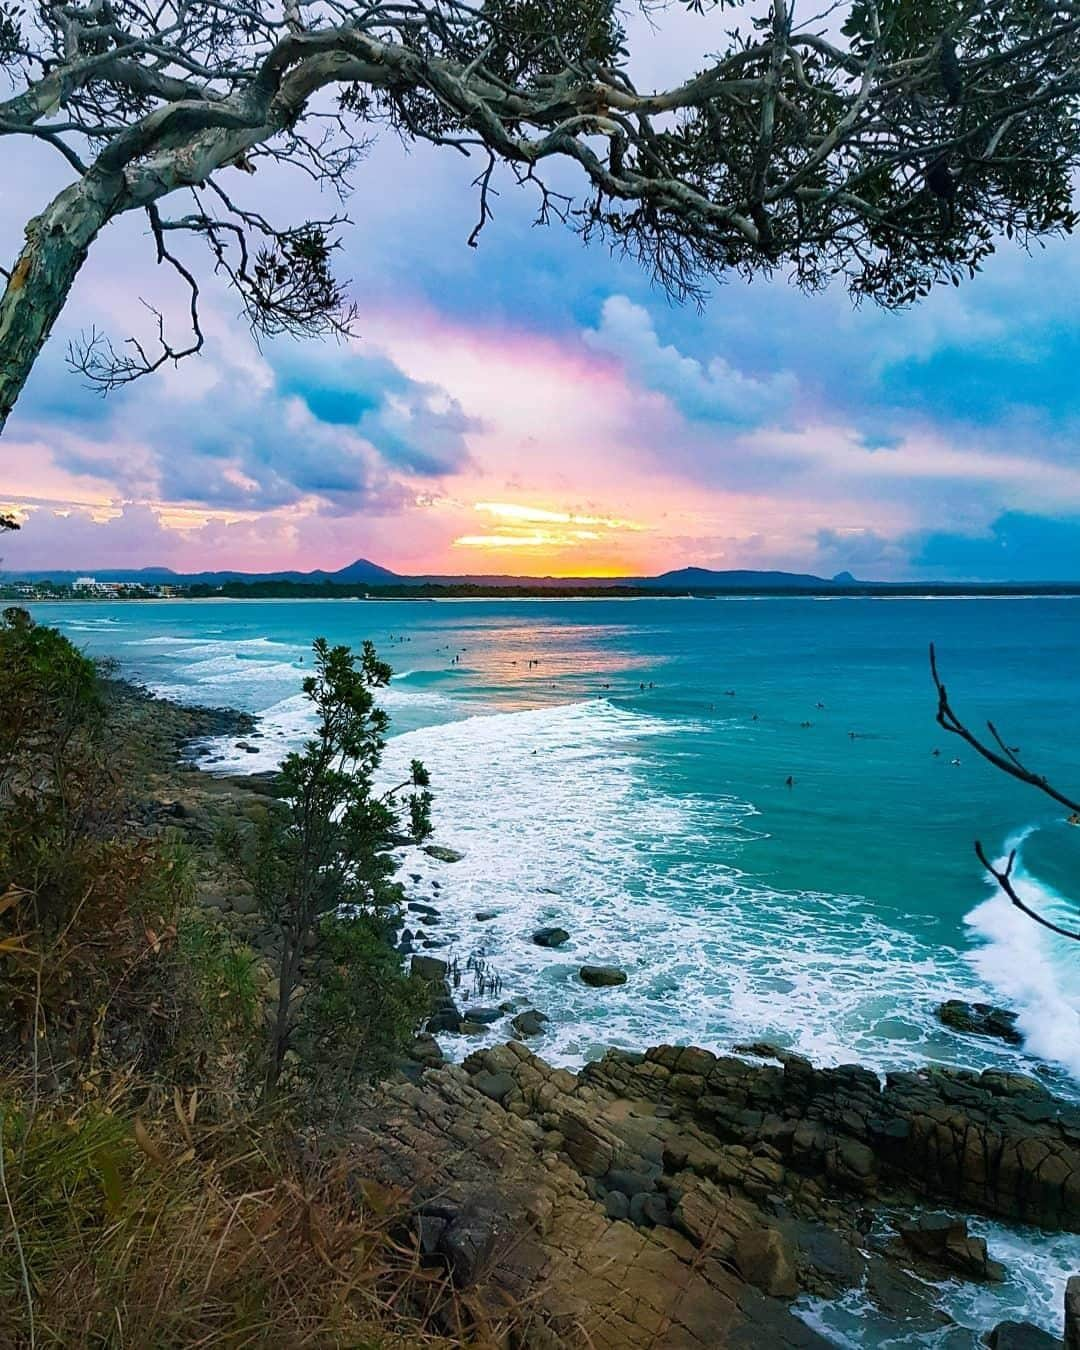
<point x="89" y="906"/>
<point x="320" y="866"/>
<point x="365" y="1009"/>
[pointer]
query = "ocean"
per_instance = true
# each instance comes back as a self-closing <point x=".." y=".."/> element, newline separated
<point x="620" y="768"/>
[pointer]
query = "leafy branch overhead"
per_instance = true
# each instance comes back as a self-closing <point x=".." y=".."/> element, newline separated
<point x="883" y="142"/>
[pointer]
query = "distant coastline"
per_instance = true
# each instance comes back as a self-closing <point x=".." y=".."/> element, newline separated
<point x="36" y="593"/>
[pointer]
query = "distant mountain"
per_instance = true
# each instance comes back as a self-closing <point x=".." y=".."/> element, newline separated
<point x="358" y="573"/>
<point x="363" y="572"/>
<point x="681" y="581"/>
<point x="703" y="579"/>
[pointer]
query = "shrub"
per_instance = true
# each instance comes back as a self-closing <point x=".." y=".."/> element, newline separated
<point x="320" y="864"/>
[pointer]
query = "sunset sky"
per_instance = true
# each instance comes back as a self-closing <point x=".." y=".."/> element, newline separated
<point x="535" y="406"/>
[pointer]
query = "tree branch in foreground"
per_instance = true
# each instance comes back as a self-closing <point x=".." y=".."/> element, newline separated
<point x="1006" y="759"/>
<point x="885" y="144"/>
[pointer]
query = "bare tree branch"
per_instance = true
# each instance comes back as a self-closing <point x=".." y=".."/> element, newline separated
<point x="1003" y="877"/>
<point x="1006" y="759"/>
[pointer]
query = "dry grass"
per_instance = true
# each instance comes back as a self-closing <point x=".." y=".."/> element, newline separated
<point x="123" y="1234"/>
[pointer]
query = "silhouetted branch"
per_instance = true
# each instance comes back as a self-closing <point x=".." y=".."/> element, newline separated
<point x="1006" y="759"/>
<point x="1003" y="877"/>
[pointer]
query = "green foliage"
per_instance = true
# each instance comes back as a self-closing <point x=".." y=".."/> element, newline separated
<point x="320" y="862"/>
<point x="365" y="1009"/>
<point x="89" y="972"/>
<point x="520" y="34"/>
<point x="221" y="974"/>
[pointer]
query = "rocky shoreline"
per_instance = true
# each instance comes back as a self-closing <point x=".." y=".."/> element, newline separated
<point x="679" y="1199"/>
<point x="672" y="1198"/>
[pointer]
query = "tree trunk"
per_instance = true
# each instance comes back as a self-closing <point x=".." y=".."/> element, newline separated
<point x="56" y="245"/>
<point x="290" y="961"/>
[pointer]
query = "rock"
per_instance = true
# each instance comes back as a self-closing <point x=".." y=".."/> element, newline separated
<point x="550" y="937"/>
<point x="467" y="1244"/>
<point x="427" y="912"/>
<point x="600" y="977"/>
<point x="429" y="968"/>
<point x="616" y="1205"/>
<point x="244" y="904"/>
<point x="429" y="1230"/>
<point x="629" y="1183"/>
<point x="1021" y="1336"/>
<point x="587" y="1145"/>
<point x="649" y="1210"/>
<point x="944" y="1239"/>
<point x="766" y="1260"/>
<point x="443" y="854"/>
<point x="485" y="915"/>
<point x="425" y="1050"/>
<point x="446" y="1017"/>
<point x="530" y="1023"/>
<point x="903" y="1296"/>
<point x="1072" y="1314"/>
<point x="979" y="1019"/>
<point x="485" y="1016"/>
<point x="497" y="1086"/>
<point x="838" y="1262"/>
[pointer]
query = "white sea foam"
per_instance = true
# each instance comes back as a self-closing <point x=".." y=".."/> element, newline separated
<point x="167" y="640"/>
<point x="562" y="820"/>
<point x="282" y="727"/>
<point x="1035" y="971"/>
<point x="1037" y="1268"/>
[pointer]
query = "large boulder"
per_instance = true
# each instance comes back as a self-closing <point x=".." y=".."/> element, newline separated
<point x="945" y="1240"/>
<point x="429" y="968"/>
<point x="600" y="977"/>
<point x="1021" y="1336"/>
<point x="442" y="854"/>
<point x="766" y="1259"/>
<point x="531" y="1022"/>
<point x="550" y="937"/>
<point x="979" y="1019"/>
<point x="1072" y="1314"/>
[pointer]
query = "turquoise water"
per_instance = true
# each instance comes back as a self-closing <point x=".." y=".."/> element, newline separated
<point x="655" y="824"/>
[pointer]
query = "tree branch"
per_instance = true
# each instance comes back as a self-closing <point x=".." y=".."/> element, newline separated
<point x="1007" y="761"/>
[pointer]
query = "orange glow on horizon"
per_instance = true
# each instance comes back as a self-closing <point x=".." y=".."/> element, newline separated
<point x="556" y="542"/>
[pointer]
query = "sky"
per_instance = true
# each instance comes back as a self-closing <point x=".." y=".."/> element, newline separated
<point x="535" y="406"/>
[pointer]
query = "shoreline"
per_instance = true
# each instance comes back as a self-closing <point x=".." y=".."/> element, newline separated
<point x="631" y="1154"/>
<point x="555" y="596"/>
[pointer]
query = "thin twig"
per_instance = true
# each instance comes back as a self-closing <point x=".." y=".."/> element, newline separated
<point x="18" y="1240"/>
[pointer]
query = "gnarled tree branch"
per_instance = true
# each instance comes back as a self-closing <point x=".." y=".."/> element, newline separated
<point x="1006" y="759"/>
<point x="867" y="158"/>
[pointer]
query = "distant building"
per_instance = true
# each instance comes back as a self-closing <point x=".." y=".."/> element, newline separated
<point x="91" y="586"/>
